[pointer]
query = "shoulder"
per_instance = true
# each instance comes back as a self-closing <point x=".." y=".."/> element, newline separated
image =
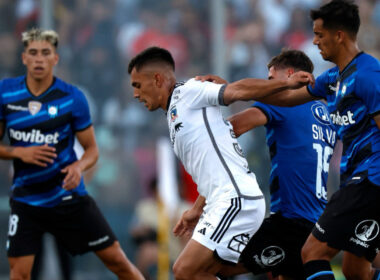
<point x="367" y="66"/>
<point x="68" y="88"/>
<point x="11" y="83"/>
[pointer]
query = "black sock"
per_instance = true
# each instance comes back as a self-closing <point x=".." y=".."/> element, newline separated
<point x="318" y="270"/>
<point x="376" y="276"/>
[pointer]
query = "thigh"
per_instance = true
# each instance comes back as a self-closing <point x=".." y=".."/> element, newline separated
<point x="20" y="267"/>
<point x="82" y="228"/>
<point x="354" y="266"/>
<point x="25" y="230"/>
<point x="276" y="247"/>
<point x="351" y="220"/>
<point x="226" y="226"/>
<point x="196" y="258"/>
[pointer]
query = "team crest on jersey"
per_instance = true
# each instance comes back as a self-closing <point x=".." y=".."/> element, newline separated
<point x="52" y="111"/>
<point x="320" y="113"/>
<point x="173" y="114"/>
<point x="34" y="107"/>
<point x="238" y="242"/>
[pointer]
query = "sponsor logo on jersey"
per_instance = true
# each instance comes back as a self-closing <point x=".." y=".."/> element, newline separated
<point x="34" y="136"/>
<point x="346" y="119"/>
<point x="238" y="149"/>
<point x="34" y="107"/>
<point x="52" y="111"/>
<point x="272" y="255"/>
<point x="367" y="230"/>
<point x="320" y="113"/>
<point x="17" y="107"/>
<point x="238" y="242"/>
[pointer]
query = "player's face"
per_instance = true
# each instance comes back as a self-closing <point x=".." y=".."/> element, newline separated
<point x="280" y="73"/>
<point x="40" y="58"/>
<point x="325" y="40"/>
<point x="145" y="90"/>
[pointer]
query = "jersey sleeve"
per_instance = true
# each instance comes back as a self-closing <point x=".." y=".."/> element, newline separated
<point x="368" y="89"/>
<point x="274" y="114"/>
<point x="319" y="89"/>
<point x="81" y="111"/>
<point x="204" y="94"/>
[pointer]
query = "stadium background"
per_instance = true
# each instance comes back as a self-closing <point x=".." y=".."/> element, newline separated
<point x="234" y="39"/>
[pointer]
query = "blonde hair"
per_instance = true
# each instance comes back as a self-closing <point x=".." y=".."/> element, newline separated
<point x="37" y="34"/>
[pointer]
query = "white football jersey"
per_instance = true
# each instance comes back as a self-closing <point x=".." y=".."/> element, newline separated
<point x="206" y="144"/>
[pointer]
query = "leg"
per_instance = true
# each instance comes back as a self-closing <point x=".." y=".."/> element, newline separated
<point x="376" y="262"/>
<point x="316" y="256"/>
<point x="231" y="270"/>
<point x="196" y="262"/>
<point x="356" y="268"/>
<point x="116" y="261"/>
<point x="20" y="267"/>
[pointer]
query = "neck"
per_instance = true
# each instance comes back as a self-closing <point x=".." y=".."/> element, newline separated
<point x="346" y="55"/>
<point x="38" y="86"/>
<point x="170" y="91"/>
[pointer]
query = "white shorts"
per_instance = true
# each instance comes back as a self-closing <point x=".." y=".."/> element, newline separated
<point x="226" y="226"/>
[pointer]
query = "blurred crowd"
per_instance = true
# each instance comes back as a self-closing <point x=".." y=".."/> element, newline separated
<point x="97" y="39"/>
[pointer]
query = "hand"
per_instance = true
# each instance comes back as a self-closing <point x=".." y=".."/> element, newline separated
<point x="300" y="79"/>
<point x="187" y="223"/>
<point x="73" y="176"/>
<point x="211" y="78"/>
<point x="38" y="155"/>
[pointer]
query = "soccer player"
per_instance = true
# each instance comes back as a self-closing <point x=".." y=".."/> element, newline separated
<point x="301" y="141"/>
<point x="42" y="114"/>
<point x="230" y="207"/>
<point x="351" y="219"/>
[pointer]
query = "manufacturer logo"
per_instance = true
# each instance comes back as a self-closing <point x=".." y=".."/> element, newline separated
<point x="320" y="113"/>
<point x="34" y="107"/>
<point x="238" y="242"/>
<point x="367" y="230"/>
<point x="233" y="135"/>
<point x="202" y="231"/>
<point x="272" y="255"/>
<point x="178" y="127"/>
<point x="52" y="111"/>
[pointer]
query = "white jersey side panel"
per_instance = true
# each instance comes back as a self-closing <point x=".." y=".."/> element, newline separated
<point x="206" y="144"/>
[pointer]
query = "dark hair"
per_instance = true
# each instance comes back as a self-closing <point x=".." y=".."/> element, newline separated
<point x="292" y="58"/>
<point x="339" y="14"/>
<point x="151" y="55"/>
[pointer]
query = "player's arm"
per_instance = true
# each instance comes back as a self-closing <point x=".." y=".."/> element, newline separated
<point x="74" y="171"/>
<point x="377" y="120"/>
<point x="38" y="155"/>
<point x="247" y="120"/>
<point x="259" y="89"/>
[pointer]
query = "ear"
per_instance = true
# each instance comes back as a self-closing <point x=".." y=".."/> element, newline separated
<point x="159" y="79"/>
<point x="23" y="58"/>
<point x="290" y="71"/>
<point x="340" y="36"/>
<point x="56" y="59"/>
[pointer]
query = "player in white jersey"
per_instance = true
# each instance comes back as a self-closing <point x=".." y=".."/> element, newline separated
<point x="230" y="207"/>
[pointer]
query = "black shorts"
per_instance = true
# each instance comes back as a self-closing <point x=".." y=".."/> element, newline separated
<point x="351" y="220"/>
<point x="276" y="247"/>
<point x="78" y="226"/>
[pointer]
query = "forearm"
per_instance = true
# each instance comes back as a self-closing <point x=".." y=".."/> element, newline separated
<point x="199" y="204"/>
<point x="89" y="158"/>
<point x="253" y="89"/>
<point x="9" y="152"/>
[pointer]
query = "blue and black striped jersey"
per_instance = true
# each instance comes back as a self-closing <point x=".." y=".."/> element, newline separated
<point x="51" y="118"/>
<point x="353" y="98"/>
<point x="301" y="141"/>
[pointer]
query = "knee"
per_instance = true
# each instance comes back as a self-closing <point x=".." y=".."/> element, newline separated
<point x="179" y="271"/>
<point x="19" y="274"/>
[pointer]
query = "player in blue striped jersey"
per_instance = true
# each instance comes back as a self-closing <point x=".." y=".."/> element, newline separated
<point x="42" y="114"/>
<point x="351" y="220"/>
